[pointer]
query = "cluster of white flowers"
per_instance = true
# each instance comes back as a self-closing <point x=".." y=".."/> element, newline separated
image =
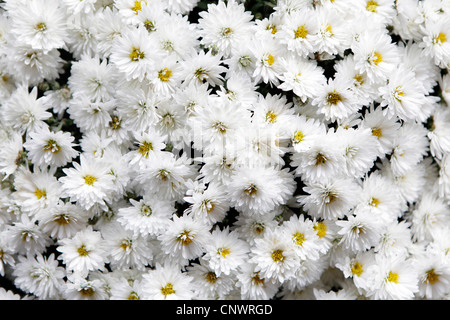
<point x="145" y="154"/>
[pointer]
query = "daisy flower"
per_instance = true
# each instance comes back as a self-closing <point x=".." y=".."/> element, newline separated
<point x="150" y="145"/>
<point x="12" y="154"/>
<point x="301" y="230"/>
<point x="148" y="216"/>
<point x="298" y="31"/>
<point x="439" y="133"/>
<point x="253" y="286"/>
<point x="223" y="25"/>
<point x="88" y="183"/>
<point x="394" y="280"/>
<point x="210" y="205"/>
<point x="134" y="53"/>
<point x="48" y="148"/>
<point x="251" y="191"/>
<point x="112" y="26"/>
<point x="436" y="40"/>
<point x="274" y="256"/>
<point x="395" y="240"/>
<point x="303" y="77"/>
<point x="207" y="284"/>
<point x="200" y="67"/>
<point x="379" y="10"/>
<point x="41" y="24"/>
<point x="330" y="198"/>
<point x="185" y="236"/>
<point x="24" y="111"/>
<point x="375" y="55"/>
<point x="62" y="220"/>
<point x="225" y="252"/>
<point x="92" y="78"/>
<point x="167" y="282"/>
<point x="41" y="276"/>
<point x="434" y="276"/>
<point x="84" y="252"/>
<point x="79" y="288"/>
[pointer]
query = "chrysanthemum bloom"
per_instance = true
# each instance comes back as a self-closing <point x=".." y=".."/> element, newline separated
<point x="62" y="220"/>
<point x="134" y="53"/>
<point x="253" y="286"/>
<point x="331" y="198"/>
<point x="89" y="183"/>
<point x="24" y="111"/>
<point x="26" y="237"/>
<point x="436" y="40"/>
<point x="148" y="216"/>
<point x="200" y="67"/>
<point x="439" y="133"/>
<point x="303" y="77"/>
<point x="80" y="288"/>
<point x="92" y="78"/>
<point x="434" y="275"/>
<point x="40" y="24"/>
<point x="395" y="239"/>
<point x="375" y="55"/>
<point x="124" y="289"/>
<point x="127" y="250"/>
<point x="430" y="213"/>
<point x="150" y="144"/>
<point x="223" y="25"/>
<point x="207" y="284"/>
<point x="48" y="148"/>
<point x="210" y="205"/>
<point x="12" y="154"/>
<point x="167" y="282"/>
<point x="260" y="190"/>
<point x="84" y="252"/>
<point x="357" y="268"/>
<point x="255" y="226"/>
<point x="226" y="251"/>
<point x="266" y="53"/>
<point x="7" y="257"/>
<point x="298" y="31"/>
<point x="303" y="235"/>
<point x="40" y="276"/>
<point x="184" y="236"/>
<point x="274" y="256"/>
<point x="394" y="280"/>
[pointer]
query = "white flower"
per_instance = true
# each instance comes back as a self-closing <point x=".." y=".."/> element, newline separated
<point x="48" y="148"/>
<point x="88" y="183"/>
<point x="40" y="276"/>
<point x="84" y="252"/>
<point x="24" y="111"/>
<point x="274" y="256"/>
<point x="200" y="67"/>
<point x="184" y="236"/>
<point x="253" y="286"/>
<point x="434" y="276"/>
<point x="167" y="282"/>
<point x="223" y="25"/>
<point x="225" y="252"/>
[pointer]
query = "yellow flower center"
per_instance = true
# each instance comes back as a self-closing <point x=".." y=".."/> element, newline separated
<point x="146" y="211"/>
<point x="133" y="296"/>
<point x="277" y="255"/>
<point x="223" y="252"/>
<point x="137" y="7"/>
<point x="377" y="132"/>
<point x="334" y="98"/>
<point x="432" y="277"/>
<point x="374" y="202"/>
<point x="211" y="277"/>
<point x="168" y="289"/>
<point x="377" y="58"/>
<point x="40" y="193"/>
<point x="298" y="137"/>
<point x="372" y="6"/>
<point x="144" y="148"/>
<point x="52" y="146"/>
<point x="357" y="268"/>
<point x="298" y="238"/>
<point x="272" y="27"/>
<point x="87" y="291"/>
<point x="270" y="59"/>
<point x="359" y="79"/>
<point x="89" y="180"/>
<point x="321" y="229"/>
<point x="41" y="26"/>
<point x="251" y="190"/>
<point x="164" y="74"/>
<point x="398" y="92"/>
<point x="62" y="220"/>
<point x="441" y="38"/>
<point x="136" y="54"/>
<point x="392" y="277"/>
<point x="256" y="280"/>
<point x="185" y="238"/>
<point x="125" y="244"/>
<point x="271" y="117"/>
<point x="320" y="159"/>
<point x="82" y="251"/>
<point x="301" y="32"/>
